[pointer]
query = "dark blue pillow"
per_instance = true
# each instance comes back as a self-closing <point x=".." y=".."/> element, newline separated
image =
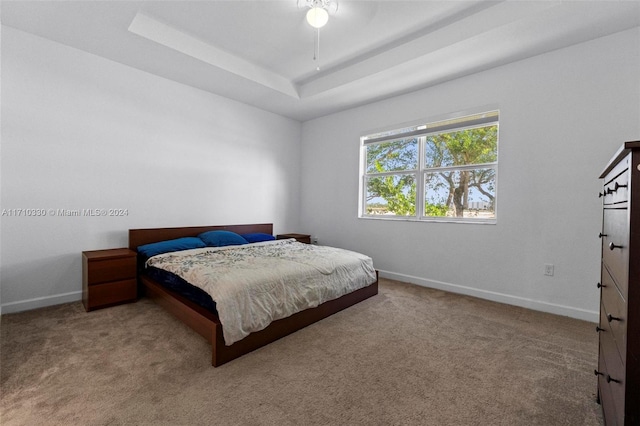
<point x="178" y="244"/>
<point x="257" y="237"/>
<point x="221" y="238"/>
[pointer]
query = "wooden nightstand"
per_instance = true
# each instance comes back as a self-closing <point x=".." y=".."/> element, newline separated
<point x="303" y="238"/>
<point x="108" y="277"/>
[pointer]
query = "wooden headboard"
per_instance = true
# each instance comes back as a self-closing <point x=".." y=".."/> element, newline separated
<point x="138" y="237"/>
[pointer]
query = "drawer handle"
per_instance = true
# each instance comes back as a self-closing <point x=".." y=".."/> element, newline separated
<point x="610" y="191"/>
<point x="597" y="373"/>
<point x="600" y="285"/>
<point x="614" y="246"/>
<point x="598" y="329"/>
<point x="612" y="318"/>
<point x="600" y="235"/>
<point x="611" y="379"/>
<point x="617" y="186"/>
<point x="601" y="194"/>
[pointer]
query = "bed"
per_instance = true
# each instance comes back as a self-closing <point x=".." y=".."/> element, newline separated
<point x="205" y="321"/>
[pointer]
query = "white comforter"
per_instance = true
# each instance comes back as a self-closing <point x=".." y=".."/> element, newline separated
<point x="258" y="283"/>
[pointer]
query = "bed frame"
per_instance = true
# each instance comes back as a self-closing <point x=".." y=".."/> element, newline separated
<point x="206" y="323"/>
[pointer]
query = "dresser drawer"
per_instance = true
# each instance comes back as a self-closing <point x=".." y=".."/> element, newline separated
<point x="614" y="334"/>
<point x="613" y="409"/>
<point x="102" y="271"/>
<point x="616" y="191"/>
<point x="612" y="368"/>
<point x="111" y="293"/>
<point x="615" y="246"/>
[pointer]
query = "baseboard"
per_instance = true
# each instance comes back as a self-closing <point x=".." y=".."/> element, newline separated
<point x="568" y="311"/>
<point x="537" y="305"/>
<point x="40" y="302"/>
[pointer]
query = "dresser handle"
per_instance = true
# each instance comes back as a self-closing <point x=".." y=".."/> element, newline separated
<point x="600" y="235"/>
<point x="600" y="285"/>
<point x="612" y="318"/>
<point x="610" y="191"/>
<point x="597" y="373"/>
<point x="614" y="246"/>
<point x="619" y="186"/>
<point x="611" y="379"/>
<point x="601" y="194"/>
<point x="598" y="329"/>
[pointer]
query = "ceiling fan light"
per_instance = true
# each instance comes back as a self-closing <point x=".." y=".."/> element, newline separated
<point x="317" y="17"/>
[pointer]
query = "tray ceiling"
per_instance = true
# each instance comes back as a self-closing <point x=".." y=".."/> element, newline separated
<point x="261" y="52"/>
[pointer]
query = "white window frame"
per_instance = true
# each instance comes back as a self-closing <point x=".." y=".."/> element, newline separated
<point x="452" y="123"/>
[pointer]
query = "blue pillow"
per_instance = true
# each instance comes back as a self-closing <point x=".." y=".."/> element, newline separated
<point x="257" y="237"/>
<point x="221" y="238"/>
<point x="178" y="244"/>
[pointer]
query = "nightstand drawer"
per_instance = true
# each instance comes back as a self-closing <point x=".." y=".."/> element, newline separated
<point x="102" y="271"/>
<point x="111" y="293"/>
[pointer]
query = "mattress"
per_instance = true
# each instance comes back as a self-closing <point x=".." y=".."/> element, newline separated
<point x="255" y="284"/>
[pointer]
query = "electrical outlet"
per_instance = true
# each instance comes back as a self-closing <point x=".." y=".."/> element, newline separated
<point x="548" y="269"/>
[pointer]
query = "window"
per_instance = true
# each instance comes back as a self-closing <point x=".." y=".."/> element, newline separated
<point x="442" y="171"/>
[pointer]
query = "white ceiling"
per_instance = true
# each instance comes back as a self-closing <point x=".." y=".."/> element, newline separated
<point x="261" y="52"/>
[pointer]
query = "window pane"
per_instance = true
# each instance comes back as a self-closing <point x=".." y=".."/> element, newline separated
<point x="391" y="195"/>
<point x="461" y="193"/>
<point x="401" y="154"/>
<point x="471" y="146"/>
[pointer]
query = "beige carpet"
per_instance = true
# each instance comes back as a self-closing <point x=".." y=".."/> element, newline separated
<point x="408" y="356"/>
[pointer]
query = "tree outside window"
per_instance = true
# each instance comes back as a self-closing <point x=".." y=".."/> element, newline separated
<point x="454" y="163"/>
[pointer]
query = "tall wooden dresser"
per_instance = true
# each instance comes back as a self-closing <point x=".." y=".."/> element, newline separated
<point x="618" y="369"/>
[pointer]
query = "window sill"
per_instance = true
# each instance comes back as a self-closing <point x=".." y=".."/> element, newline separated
<point x="433" y="220"/>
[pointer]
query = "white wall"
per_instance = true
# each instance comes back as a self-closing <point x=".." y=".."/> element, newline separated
<point x="562" y="116"/>
<point x="82" y="132"/>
